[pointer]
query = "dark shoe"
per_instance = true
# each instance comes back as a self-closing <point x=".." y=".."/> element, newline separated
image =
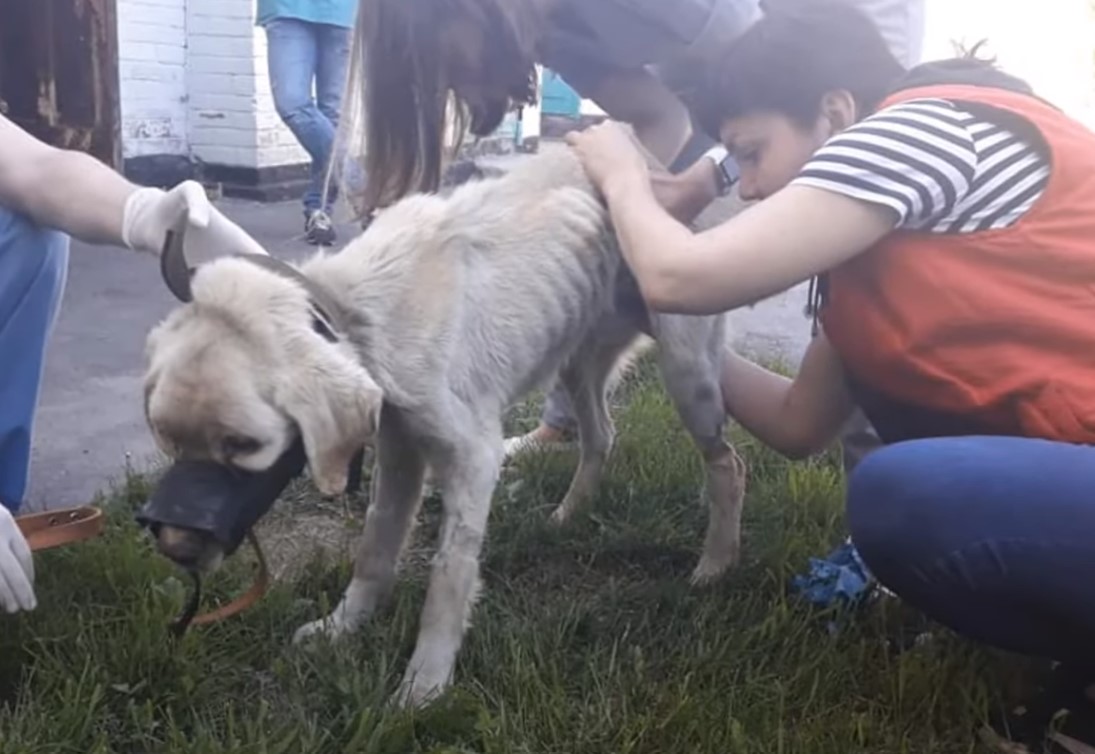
<point x="318" y="228"/>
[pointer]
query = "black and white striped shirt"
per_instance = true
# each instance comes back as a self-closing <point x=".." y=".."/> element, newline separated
<point x="939" y="167"/>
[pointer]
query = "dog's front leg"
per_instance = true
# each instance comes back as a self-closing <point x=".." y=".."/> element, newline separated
<point x="690" y="354"/>
<point x="397" y="492"/>
<point x="468" y="477"/>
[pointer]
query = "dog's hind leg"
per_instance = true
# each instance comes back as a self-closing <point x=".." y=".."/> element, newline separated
<point x="354" y="478"/>
<point x="587" y="380"/>
<point x="468" y="466"/>
<point x="397" y="493"/>
<point x="690" y="356"/>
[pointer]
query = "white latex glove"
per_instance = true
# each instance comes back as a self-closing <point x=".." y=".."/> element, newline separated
<point x="151" y="212"/>
<point x="16" y="567"/>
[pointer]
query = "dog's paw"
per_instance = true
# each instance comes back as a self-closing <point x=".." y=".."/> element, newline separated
<point x="418" y="690"/>
<point x="330" y="628"/>
<point x="711" y="568"/>
<point x="560" y="515"/>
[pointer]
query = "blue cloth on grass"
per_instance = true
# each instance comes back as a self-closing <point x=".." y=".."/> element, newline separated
<point x="840" y="576"/>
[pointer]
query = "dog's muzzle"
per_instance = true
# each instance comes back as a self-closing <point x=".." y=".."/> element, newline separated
<point x="213" y="503"/>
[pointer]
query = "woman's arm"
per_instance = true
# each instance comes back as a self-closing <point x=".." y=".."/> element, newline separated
<point x="686" y="194"/>
<point x="789" y="237"/>
<point x="78" y="195"/>
<point x="769" y="247"/>
<point x="796" y="417"/>
<point x="62" y="189"/>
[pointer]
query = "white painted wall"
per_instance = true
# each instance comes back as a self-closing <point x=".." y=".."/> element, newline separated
<point x="152" y="49"/>
<point x="194" y="82"/>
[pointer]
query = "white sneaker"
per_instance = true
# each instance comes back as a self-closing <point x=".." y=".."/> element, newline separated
<point x="527" y="443"/>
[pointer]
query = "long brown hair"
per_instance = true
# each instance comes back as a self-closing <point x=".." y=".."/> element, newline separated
<point x="408" y="86"/>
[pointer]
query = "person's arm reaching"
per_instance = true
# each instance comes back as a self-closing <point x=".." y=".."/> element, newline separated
<point x="75" y="193"/>
<point x="793" y="235"/>
<point x="797" y="417"/>
<point x="686" y="194"/>
<point x="62" y="189"/>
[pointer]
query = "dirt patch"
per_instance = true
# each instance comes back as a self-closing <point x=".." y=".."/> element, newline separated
<point x="304" y="527"/>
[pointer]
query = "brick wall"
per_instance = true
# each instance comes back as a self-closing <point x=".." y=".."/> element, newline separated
<point x="152" y="69"/>
<point x="194" y="85"/>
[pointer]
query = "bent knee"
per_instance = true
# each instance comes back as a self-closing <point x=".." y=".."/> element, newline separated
<point x="32" y="258"/>
<point x="293" y="109"/>
<point x="894" y="497"/>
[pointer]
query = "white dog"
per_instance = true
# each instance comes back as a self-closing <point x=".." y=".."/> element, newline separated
<point x="418" y="335"/>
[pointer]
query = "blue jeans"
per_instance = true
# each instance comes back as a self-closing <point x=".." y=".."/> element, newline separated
<point x="298" y="53"/>
<point x="33" y="269"/>
<point x="993" y="537"/>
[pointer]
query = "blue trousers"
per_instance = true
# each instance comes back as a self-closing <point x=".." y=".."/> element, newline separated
<point x="298" y="54"/>
<point x="33" y="269"/>
<point x="993" y="537"/>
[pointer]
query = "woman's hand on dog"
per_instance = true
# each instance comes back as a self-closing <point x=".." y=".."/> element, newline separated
<point x="609" y="153"/>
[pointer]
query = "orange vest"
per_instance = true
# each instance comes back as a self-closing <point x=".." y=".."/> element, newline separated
<point x="990" y="332"/>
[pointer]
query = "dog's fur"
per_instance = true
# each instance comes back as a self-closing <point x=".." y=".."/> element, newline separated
<point x="454" y="307"/>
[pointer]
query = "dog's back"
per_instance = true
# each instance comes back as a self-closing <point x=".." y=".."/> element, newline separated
<point x="521" y="265"/>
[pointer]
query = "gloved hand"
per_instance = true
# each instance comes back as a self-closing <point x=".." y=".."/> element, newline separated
<point x="151" y="212"/>
<point x="16" y="567"/>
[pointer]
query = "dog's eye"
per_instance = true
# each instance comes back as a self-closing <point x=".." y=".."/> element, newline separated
<point x="320" y="326"/>
<point x="240" y="445"/>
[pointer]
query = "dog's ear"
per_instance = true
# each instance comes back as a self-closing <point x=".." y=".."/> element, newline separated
<point x="336" y="406"/>
<point x="174" y="268"/>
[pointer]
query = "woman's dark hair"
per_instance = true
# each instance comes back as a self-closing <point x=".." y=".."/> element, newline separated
<point x="403" y="95"/>
<point x="789" y="59"/>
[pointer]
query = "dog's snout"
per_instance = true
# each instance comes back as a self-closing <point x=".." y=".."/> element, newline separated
<point x="188" y="548"/>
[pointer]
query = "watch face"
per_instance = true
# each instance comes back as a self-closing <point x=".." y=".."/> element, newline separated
<point x="729" y="170"/>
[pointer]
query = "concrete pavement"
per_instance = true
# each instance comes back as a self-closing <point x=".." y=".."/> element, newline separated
<point x="90" y="425"/>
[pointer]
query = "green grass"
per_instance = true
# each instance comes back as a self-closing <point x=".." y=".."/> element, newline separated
<point x="586" y="640"/>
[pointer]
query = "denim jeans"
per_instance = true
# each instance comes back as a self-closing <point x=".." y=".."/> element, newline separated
<point x="993" y="537"/>
<point x="33" y="270"/>
<point x="298" y="54"/>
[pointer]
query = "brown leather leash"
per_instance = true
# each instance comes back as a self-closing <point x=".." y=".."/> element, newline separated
<point x="44" y="531"/>
<point x="50" y="529"/>
<point x="236" y="606"/>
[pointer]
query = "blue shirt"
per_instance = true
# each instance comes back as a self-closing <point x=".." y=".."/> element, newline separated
<point x="334" y="12"/>
<point x="589" y="38"/>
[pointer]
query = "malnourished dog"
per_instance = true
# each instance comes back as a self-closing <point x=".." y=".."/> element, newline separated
<point x="419" y="334"/>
